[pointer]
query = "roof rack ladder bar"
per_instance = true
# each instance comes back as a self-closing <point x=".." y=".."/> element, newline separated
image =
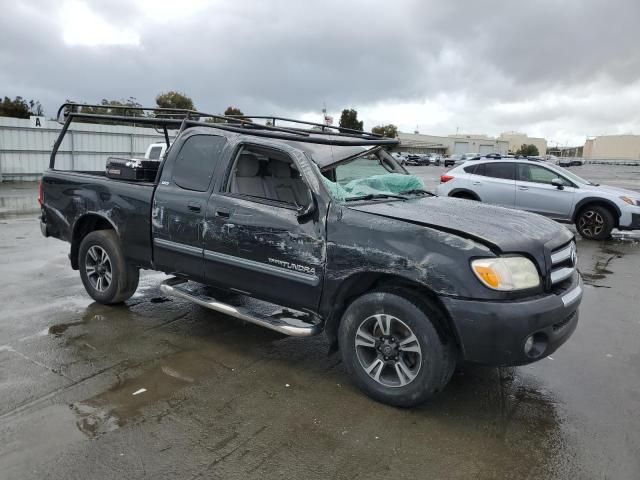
<point x="56" y="146"/>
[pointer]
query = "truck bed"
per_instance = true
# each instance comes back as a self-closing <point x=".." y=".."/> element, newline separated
<point x="74" y="197"/>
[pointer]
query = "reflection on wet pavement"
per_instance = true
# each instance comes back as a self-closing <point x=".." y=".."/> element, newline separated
<point x="607" y="251"/>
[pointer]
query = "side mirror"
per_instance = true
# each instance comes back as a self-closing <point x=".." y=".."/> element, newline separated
<point x="308" y="209"/>
<point x="556" y="182"/>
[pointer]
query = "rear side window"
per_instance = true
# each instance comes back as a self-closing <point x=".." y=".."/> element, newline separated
<point x="470" y="169"/>
<point x="503" y="170"/>
<point x="154" y="153"/>
<point x="196" y="161"/>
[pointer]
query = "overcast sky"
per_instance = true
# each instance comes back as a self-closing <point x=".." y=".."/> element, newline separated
<point x="552" y="68"/>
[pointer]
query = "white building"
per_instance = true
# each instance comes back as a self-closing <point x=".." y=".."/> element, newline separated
<point x="517" y="139"/>
<point x="613" y="147"/>
<point x="419" y="143"/>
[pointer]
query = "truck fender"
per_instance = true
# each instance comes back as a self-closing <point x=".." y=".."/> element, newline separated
<point x="85" y="224"/>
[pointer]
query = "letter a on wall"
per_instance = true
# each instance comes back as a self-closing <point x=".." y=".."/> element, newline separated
<point x="37" y="122"/>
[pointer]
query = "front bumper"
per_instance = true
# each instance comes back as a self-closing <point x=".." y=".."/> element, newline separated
<point x="630" y="220"/>
<point x="494" y="333"/>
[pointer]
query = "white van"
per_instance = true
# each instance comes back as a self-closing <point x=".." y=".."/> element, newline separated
<point x="155" y="151"/>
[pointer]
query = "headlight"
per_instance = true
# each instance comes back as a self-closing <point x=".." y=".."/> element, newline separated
<point x="506" y="273"/>
<point x="630" y="201"/>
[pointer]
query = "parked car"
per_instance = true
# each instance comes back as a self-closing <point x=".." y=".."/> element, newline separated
<point x="546" y="189"/>
<point x="452" y="160"/>
<point x="565" y="162"/>
<point x="416" y="159"/>
<point x="331" y="234"/>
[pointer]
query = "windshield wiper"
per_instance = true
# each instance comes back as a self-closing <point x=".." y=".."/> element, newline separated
<point x="417" y="191"/>
<point x="372" y="196"/>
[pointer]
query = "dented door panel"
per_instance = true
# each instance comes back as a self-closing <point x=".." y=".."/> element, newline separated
<point x="263" y="250"/>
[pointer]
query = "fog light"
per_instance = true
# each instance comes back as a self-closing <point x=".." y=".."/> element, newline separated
<point x="528" y="345"/>
<point x="535" y="345"/>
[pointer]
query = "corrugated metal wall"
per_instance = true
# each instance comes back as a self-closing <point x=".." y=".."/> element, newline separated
<point x="25" y="150"/>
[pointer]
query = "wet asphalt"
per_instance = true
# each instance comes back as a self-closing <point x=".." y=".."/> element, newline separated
<point x="160" y="388"/>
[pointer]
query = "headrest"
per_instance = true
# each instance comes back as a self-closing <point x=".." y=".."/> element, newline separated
<point x="248" y="165"/>
<point x="279" y="169"/>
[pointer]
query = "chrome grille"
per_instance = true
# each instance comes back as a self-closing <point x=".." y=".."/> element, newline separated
<point x="563" y="263"/>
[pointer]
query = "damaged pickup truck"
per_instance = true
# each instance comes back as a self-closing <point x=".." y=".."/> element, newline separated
<point x="319" y="230"/>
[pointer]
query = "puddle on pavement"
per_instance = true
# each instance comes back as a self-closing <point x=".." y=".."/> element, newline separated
<point x="607" y="252"/>
<point x="125" y="400"/>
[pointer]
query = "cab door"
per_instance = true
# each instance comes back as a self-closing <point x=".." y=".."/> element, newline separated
<point x="535" y="193"/>
<point x="257" y="243"/>
<point x="179" y="205"/>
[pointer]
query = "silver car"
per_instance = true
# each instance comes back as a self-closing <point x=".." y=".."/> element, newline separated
<point x="548" y="190"/>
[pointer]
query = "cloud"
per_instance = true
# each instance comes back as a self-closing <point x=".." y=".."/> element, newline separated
<point x="82" y="26"/>
<point x="559" y="69"/>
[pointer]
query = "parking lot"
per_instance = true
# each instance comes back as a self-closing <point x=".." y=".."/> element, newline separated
<point x="161" y="388"/>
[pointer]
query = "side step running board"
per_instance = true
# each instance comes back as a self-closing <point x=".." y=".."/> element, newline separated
<point x="278" y="321"/>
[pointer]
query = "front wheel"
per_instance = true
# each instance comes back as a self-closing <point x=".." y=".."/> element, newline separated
<point x="595" y="222"/>
<point x="392" y="350"/>
<point x="106" y="276"/>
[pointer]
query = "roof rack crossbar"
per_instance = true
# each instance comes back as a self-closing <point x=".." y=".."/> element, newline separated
<point x="182" y="118"/>
<point x="313" y="124"/>
<point x="309" y="138"/>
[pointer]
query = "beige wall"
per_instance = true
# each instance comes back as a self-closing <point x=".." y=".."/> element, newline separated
<point x="517" y="139"/>
<point x="613" y="147"/>
<point x="419" y="142"/>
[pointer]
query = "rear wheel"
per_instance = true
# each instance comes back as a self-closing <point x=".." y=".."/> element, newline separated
<point x="595" y="222"/>
<point x="106" y="276"/>
<point x="392" y="350"/>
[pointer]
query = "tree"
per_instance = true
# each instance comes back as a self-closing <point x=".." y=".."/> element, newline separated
<point x="349" y="119"/>
<point x="174" y="99"/>
<point x="528" y="150"/>
<point x="105" y="107"/>
<point x="20" y="108"/>
<point x="236" y="111"/>
<point x="390" y="131"/>
<point x="233" y="111"/>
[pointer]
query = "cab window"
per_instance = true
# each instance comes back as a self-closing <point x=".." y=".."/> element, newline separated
<point x="196" y="161"/>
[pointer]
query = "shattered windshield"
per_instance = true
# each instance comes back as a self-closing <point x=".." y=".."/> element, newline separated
<point x="371" y="176"/>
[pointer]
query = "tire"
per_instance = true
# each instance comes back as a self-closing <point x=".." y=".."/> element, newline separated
<point x="428" y="361"/>
<point x="595" y="222"/>
<point x="106" y="276"/>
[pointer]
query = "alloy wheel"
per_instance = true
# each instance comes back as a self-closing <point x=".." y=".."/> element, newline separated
<point x="98" y="268"/>
<point x="591" y="223"/>
<point x="388" y="350"/>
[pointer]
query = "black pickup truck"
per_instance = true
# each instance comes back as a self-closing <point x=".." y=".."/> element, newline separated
<point x="322" y="230"/>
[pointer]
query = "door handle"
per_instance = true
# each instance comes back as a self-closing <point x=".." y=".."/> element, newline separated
<point x="223" y="213"/>
<point x="477" y="183"/>
<point x="523" y="188"/>
<point x="194" y="206"/>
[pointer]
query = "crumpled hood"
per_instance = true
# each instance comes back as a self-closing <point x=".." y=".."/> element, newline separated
<point x="501" y="228"/>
